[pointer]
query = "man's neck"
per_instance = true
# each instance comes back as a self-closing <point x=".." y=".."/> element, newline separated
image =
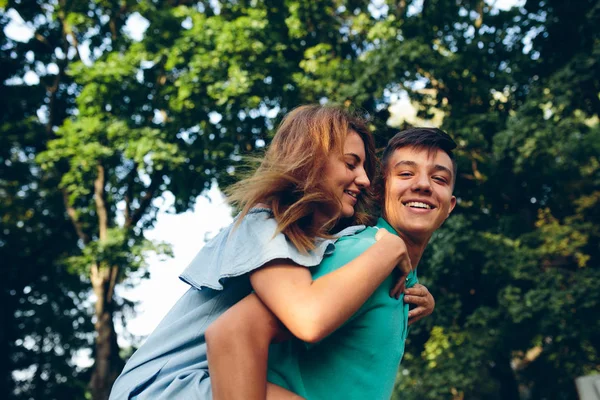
<point x="415" y="249"/>
<point x="415" y="246"/>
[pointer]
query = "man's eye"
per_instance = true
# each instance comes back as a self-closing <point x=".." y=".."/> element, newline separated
<point x="440" y="179"/>
<point x="404" y="174"/>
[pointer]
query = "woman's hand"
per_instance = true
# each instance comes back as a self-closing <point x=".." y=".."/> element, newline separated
<point x="423" y="300"/>
<point x="404" y="265"/>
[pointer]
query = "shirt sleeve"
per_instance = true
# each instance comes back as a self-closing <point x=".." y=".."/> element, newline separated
<point x="244" y="247"/>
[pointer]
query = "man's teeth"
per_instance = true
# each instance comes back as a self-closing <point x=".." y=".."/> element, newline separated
<point x="350" y="193"/>
<point x="418" y="204"/>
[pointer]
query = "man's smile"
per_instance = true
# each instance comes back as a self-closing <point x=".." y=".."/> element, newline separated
<point x="419" y="204"/>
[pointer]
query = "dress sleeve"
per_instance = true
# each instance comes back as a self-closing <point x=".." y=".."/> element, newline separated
<point x="240" y="249"/>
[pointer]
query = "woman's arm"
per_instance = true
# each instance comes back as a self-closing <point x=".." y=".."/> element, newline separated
<point x="237" y="350"/>
<point x="312" y="309"/>
<point x="238" y="340"/>
<point x="238" y="343"/>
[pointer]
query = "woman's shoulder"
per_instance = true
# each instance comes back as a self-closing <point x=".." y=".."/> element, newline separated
<point x="244" y="246"/>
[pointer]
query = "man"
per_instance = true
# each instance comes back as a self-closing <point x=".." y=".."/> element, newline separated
<point x="361" y="359"/>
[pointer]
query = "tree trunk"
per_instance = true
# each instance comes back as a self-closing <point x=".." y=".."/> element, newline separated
<point x="108" y="363"/>
<point x="104" y="278"/>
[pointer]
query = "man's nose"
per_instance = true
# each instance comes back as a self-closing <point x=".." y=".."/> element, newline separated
<point x="422" y="184"/>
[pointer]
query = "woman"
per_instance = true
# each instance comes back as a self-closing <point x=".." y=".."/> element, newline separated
<point x="314" y="176"/>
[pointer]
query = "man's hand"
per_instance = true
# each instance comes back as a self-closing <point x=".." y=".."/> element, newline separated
<point x="404" y="265"/>
<point x="419" y="295"/>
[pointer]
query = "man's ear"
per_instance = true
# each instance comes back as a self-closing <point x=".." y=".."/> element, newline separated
<point x="452" y="205"/>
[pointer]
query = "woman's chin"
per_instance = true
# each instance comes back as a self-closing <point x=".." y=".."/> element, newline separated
<point x="347" y="212"/>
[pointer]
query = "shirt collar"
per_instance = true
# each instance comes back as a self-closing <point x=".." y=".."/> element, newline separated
<point x="411" y="279"/>
<point x="382" y="223"/>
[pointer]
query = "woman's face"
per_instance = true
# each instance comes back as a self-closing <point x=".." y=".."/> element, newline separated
<point x="345" y="175"/>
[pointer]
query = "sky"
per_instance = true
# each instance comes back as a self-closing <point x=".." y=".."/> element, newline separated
<point x="187" y="233"/>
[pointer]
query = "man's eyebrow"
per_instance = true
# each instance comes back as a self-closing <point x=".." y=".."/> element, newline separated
<point x="405" y="163"/>
<point x="436" y="167"/>
<point x="439" y="167"/>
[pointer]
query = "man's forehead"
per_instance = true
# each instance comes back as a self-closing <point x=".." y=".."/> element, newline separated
<point x="420" y="156"/>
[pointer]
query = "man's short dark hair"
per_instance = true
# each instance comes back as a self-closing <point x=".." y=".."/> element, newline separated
<point x="421" y="139"/>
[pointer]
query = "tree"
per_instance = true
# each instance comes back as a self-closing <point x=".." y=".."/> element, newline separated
<point x="43" y="322"/>
<point x="128" y="118"/>
<point x="516" y="270"/>
<point x="170" y="112"/>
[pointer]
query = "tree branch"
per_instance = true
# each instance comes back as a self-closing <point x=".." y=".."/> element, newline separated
<point x="53" y="90"/>
<point x="100" y="204"/>
<point x="96" y="279"/>
<point x="400" y="10"/>
<point x="144" y="202"/>
<point x="69" y="31"/>
<point x="129" y="191"/>
<point x="73" y="217"/>
<point x="112" y="281"/>
<point x="479" y="20"/>
<point x="113" y="20"/>
<point x="42" y="39"/>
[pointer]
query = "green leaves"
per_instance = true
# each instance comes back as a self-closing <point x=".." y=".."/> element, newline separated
<point x="510" y="270"/>
<point x="122" y="249"/>
<point x="514" y="269"/>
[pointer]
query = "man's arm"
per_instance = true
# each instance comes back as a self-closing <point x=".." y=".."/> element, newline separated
<point x="420" y="296"/>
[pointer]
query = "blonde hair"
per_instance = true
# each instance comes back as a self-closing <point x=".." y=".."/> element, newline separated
<point x="289" y="177"/>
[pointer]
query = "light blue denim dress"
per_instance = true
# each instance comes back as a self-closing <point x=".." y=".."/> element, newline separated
<point x="172" y="364"/>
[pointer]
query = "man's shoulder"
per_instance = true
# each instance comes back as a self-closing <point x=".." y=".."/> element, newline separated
<point x="354" y="245"/>
<point x="365" y="236"/>
<point x="347" y="248"/>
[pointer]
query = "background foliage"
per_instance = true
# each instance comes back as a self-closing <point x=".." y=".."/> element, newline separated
<point x="98" y="120"/>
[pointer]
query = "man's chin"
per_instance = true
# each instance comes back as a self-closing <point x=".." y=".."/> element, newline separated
<point x="416" y="231"/>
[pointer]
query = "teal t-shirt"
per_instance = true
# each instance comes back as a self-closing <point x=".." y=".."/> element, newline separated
<point x="359" y="360"/>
